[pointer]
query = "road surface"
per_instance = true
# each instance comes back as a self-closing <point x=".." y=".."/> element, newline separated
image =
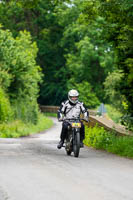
<point x="32" y="168"/>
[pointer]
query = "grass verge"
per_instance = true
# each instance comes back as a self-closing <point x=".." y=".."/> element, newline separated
<point x="18" y="128"/>
<point x="50" y="114"/>
<point x="99" y="138"/>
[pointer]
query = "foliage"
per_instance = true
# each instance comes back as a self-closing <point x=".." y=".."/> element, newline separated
<point x="79" y="42"/>
<point x="19" y="74"/>
<point x="50" y="114"/>
<point x="87" y="96"/>
<point x="113" y="113"/>
<point x="6" y="113"/>
<point x="40" y="20"/>
<point x="88" y="56"/>
<point x="96" y="137"/>
<point x="117" y="25"/>
<point x="127" y="120"/>
<point x="119" y="17"/>
<point x="62" y="44"/>
<point x="18" y="128"/>
<point x="26" y="111"/>
<point x="112" y="85"/>
<point x="100" y="139"/>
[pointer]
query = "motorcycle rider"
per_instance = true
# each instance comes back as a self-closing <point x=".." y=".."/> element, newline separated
<point x="71" y="108"/>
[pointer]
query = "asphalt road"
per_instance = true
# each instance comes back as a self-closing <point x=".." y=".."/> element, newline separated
<point x="32" y="168"/>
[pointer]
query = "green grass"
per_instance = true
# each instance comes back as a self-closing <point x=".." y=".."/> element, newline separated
<point x="18" y="128"/>
<point x="99" y="138"/>
<point x="50" y="114"/>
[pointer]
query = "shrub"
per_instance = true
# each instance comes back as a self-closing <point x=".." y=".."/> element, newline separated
<point x="26" y="111"/>
<point x="19" y="74"/>
<point x="99" y="138"/>
<point x="6" y="112"/>
<point x="127" y="120"/>
<point x="18" y="128"/>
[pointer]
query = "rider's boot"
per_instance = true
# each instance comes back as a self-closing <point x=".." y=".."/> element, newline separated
<point x="81" y="143"/>
<point x="60" y="144"/>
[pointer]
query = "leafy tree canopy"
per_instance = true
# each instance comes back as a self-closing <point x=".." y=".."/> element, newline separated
<point x="19" y="73"/>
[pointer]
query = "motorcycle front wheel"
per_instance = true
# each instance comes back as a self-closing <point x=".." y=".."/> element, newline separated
<point x="76" y="143"/>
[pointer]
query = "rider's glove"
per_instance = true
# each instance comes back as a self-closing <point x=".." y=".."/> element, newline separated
<point x="86" y="119"/>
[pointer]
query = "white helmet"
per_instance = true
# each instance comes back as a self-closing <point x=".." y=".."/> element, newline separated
<point x="71" y="95"/>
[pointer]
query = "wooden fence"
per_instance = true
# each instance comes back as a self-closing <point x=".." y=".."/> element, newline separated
<point x="108" y="124"/>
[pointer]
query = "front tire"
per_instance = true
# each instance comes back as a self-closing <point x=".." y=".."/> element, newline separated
<point x="76" y="143"/>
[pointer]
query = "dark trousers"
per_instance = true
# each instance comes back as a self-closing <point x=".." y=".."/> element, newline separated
<point x="65" y="130"/>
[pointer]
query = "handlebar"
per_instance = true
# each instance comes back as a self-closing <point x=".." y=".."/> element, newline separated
<point x="85" y="120"/>
<point x="69" y="119"/>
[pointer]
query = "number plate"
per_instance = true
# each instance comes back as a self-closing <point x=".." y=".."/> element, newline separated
<point x="76" y="125"/>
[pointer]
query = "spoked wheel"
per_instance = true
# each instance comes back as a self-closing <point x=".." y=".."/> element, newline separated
<point x="76" y="144"/>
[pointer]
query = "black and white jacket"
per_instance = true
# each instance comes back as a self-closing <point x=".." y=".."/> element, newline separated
<point x="69" y="110"/>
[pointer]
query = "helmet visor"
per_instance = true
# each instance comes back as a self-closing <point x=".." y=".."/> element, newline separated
<point x="74" y="99"/>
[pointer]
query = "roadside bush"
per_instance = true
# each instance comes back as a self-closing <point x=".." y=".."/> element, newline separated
<point x="99" y="138"/>
<point x="26" y="111"/>
<point x="127" y="120"/>
<point x="18" y="128"/>
<point x="19" y="75"/>
<point x="6" y="112"/>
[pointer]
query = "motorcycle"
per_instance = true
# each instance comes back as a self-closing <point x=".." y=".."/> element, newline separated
<point x="72" y="141"/>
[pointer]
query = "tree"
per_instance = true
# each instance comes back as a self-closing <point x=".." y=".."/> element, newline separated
<point x="112" y="85"/>
<point x="119" y="19"/>
<point x="88" y="56"/>
<point x="19" y="74"/>
<point x="118" y="31"/>
<point x="86" y="94"/>
<point x="40" y="20"/>
<point x="6" y="112"/>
